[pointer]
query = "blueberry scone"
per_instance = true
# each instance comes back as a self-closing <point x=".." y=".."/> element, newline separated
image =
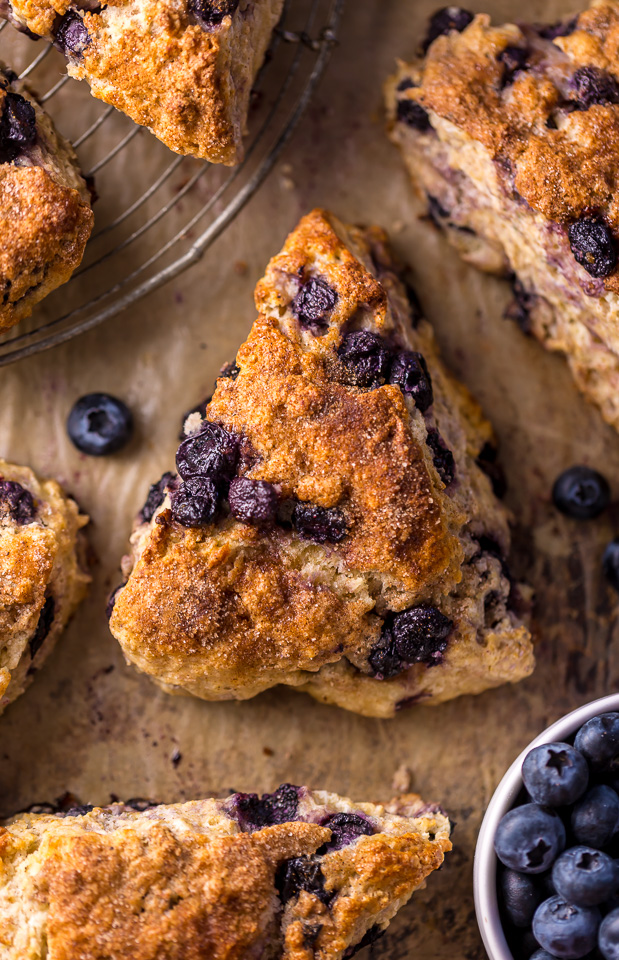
<point x="45" y="212"/>
<point x="330" y="526"/>
<point x="511" y="135"/>
<point x="296" y="874"/>
<point x="182" y="68"/>
<point x="42" y="579"/>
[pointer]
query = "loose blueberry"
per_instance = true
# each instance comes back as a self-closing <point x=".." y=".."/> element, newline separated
<point x="593" y="246"/>
<point x="18" y="127"/>
<point x="253" y="501"/>
<point x="17" y="502"/>
<point x="210" y="13"/>
<point x="581" y="492"/>
<point x="595" y="817"/>
<point x="44" y="625"/>
<point x="442" y="456"/>
<point x="513" y="60"/>
<point x="413" y="115"/>
<point x="410" y="373"/>
<point x="322" y="524"/>
<point x="598" y="740"/>
<point x="366" y="358"/>
<point x="444" y="21"/>
<point x="345" y="828"/>
<point x="254" y="812"/>
<point x="610" y="563"/>
<point x="156" y="496"/>
<point x="213" y="453"/>
<point x="592" y="85"/>
<point x="313" y="304"/>
<point x="521" y="896"/>
<point x="608" y="937"/>
<point x="555" y="774"/>
<point x="71" y="34"/>
<point x="194" y="503"/>
<point x="585" y="877"/>
<point x="99" y="424"/>
<point x="565" y="930"/>
<point x="529" y="838"/>
<point x="420" y="634"/>
<point x="301" y="873"/>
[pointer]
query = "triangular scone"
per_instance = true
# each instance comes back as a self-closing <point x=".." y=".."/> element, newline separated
<point x="45" y="212"/>
<point x="182" y="68"/>
<point x="294" y="875"/>
<point x="41" y="575"/>
<point x="511" y="136"/>
<point x="370" y="569"/>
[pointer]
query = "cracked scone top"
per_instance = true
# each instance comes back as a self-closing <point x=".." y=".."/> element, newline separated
<point x="511" y="134"/>
<point x="182" y="68"/>
<point x="296" y="874"/>
<point x="45" y="212"/>
<point x="41" y="575"/>
<point x="329" y="529"/>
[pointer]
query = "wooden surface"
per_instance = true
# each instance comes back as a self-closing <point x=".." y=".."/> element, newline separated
<point x="92" y="726"/>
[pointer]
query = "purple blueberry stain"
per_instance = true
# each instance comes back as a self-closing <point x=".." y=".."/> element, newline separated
<point x="210" y="13"/>
<point x="593" y="86"/>
<point x="563" y="28"/>
<point x="410" y="373"/>
<point x="446" y="20"/>
<point x="366" y="357"/>
<point x="18" y="128"/>
<point x="43" y="627"/>
<point x="345" y="829"/>
<point x="321" y="524"/>
<point x="301" y="873"/>
<point x="442" y="457"/>
<point x="253" y="501"/>
<point x="71" y="34"/>
<point x="514" y="59"/>
<point x="156" y="496"/>
<point x="593" y="246"/>
<point x="253" y="812"/>
<point x="314" y="303"/>
<point x="16" y="502"/>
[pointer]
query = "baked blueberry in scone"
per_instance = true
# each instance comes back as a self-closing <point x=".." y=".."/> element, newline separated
<point x="292" y="875"/>
<point x="511" y="136"/>
<point x="45" y="212"/>
<point x="182" y="68"/>
<point x="330" y="527"/>
<point x="42" y="579"/>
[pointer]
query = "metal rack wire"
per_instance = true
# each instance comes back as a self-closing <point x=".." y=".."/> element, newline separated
<point x="148" y="229"/>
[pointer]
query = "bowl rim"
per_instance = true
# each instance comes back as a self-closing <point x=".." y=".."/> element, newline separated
<point x="485" y="860"/>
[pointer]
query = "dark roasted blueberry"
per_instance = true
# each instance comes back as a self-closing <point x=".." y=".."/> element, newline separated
<point x="413" y="115"/>
<point x="253" y="501"/>
<point x="564" y="929"/>
<point x="610" y="563"/>
<point x="593" y="246"/>
<point x="313" y="304"/>
<point x="487" y="461"/>
<point x="592" y="85"/>
<point x="585" y="876"/>
<point x="18" y="126"/>
<point x="520" y="896"/>
<point x="561" y="29"/>
<point x="608" y="937"/>
<point x="555" y="774"/>
<point x="595" y="817"/>
<point x="383" y="659"/>
<point x="213" y="452"/>
<point x="301" y="873"/>
<point x="529" y="838"/>
<point x="366" y="358"/>
<point x="211" y="12"/>
<point x="372" y="935"/>
<point x="598" y="741"/>
<point x="44" y="625"/>
<point x="79" y="810"/>
<point x="99" y="424"/>
<point x="194" y="503"/>
<point x="17" y="502"/>
<point x="254" y="812"/>
<point x="420" y="634"/>
<point x="140" y="803"/>
<point x="322" y="524"/>
<point x="71" y="34"/>
<point x="513" y="60"/>
<point x="345" y="828"/>
<point x="444" y="21"/>
<point x="442" y="456"/>
<point x="156" y="496"/>
<point x="230" y="371"/>
<point x="410" y="373"/>
<point x="581" y="492"/>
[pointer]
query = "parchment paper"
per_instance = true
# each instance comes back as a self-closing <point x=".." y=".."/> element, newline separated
<point x="94" y="727"/>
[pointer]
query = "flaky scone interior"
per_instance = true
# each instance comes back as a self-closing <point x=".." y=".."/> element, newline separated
<point x="296" y="874"/>
<point x="42" y="573"/>
<point x="511" y="137"/>
<point x="182" y="68"/>
<point x="330" y="527"/>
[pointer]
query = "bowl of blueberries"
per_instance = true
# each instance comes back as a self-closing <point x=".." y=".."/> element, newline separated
<point x="546" y="871"/>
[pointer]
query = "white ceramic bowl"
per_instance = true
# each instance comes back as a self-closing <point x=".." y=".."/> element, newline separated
<point x="485" y="866"/>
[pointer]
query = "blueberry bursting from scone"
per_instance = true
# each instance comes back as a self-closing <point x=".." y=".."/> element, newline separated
<point x="511" y="137"/>
<point x="330" y="527"/>
<point x="292" y="875"/>
<point x="42" y="576"/>
<point x="182" y="68"/>
<point x="45" y="212"/>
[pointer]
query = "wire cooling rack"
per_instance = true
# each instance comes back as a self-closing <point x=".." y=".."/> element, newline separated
<point x="157" y="212"/>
